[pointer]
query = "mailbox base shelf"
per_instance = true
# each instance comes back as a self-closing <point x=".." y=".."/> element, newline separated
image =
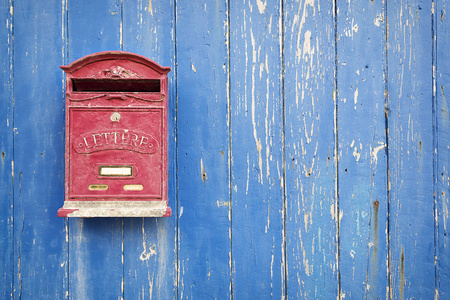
<point x="93" y="209"/>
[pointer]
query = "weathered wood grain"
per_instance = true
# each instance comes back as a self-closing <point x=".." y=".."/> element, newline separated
<point x="411" y="214"/>
<point x="93" y="27"/>
<point x="95" y="245"/>
<point x="284" y="181"/>
<point x="6" y="148"/>
<point x="311" y="223"/>
<point x="256" y="106"/>
<point x="203" y="150"/>
<point x="441" y="64"/>
<point x="149" y="243"/>
<point x="361" y="73"/>
<point x="40" y="247"/>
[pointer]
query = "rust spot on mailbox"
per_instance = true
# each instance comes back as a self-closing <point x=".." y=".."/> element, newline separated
<point x="116" y="137"/>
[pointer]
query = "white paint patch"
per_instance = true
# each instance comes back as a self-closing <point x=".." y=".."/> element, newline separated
<point x="150" y="285"/>
<point x="146" y="255"/>
<point x="355" y="28"/>
<point x="333" y="211"/>
<point x="266" y="123"/>
<point x="356" y="154"/>
<point x="445" y="209"/>
<point x="253" y="46"/>
<point x="150" y="7"/>
<point x="349" y="32"/>
<point x="378" y="20"/>
<point x="248" y="174"/>
<point x="255" y="134"/>
<point x="203" y="174"/>
<point x="355" y="96"/>
<point x="181" y="212"/>
<point x="306" y="215"/>
<point x="306" y="264"/>
<point x="120" y="33"/>
<point x="261" y="6"/>
<point x="222" y="203"/>
<point x="302" y="23"/>
<point x="271" y="269"/>
<point x="374" y="152"/>
<point x="307" y="44"/>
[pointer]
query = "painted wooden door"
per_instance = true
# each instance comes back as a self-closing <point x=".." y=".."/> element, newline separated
<point x="309" y="151"/>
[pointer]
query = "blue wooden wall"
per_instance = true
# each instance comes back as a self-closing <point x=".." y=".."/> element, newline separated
<point x="309" y="151"/>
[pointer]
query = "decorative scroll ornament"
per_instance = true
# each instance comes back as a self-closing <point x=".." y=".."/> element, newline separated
<point x="116" y="72"/>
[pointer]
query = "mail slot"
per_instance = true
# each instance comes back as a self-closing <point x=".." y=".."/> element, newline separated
<point x="116" y="137"/>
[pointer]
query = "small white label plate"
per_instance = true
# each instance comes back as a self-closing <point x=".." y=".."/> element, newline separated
<point x="115" y="171"/>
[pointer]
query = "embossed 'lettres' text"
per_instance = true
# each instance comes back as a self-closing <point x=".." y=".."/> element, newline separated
<point x="123" y="139"/>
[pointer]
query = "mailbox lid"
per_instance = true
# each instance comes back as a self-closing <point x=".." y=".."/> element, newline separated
<point x="116" y="153"/>
<point x="103" y="78"/>
<point x="104" y="65"/>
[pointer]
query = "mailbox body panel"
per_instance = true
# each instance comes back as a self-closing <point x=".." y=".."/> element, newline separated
<point x="108" y="144"/>
<point x="116" y="137"/>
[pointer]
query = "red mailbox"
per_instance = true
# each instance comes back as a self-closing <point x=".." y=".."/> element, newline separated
<point x="116" y="137"/>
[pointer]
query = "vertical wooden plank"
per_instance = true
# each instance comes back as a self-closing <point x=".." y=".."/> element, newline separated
<point x="411" y="215"/>
<point x="257" y="149"/>
<point x="203" y="147"/>
<point x="362" y="141"/>
<point x="442" y="131"/>
<point x="149" y="243"/>
<point x="94" y="27"/>
<point x="6" y="148"/>
<point x="40" y="253"/>
<point x="96" y="245"/>
<point x="311" y="217"/>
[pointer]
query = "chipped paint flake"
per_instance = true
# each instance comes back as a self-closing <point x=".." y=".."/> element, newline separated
<point x="222" y="203"/>
<point x="374" y="152"/>
<point x="255" y="134"/>
<point x="248" y="174"/>
<point x="146" y="255"/>
<point x="356" y="154"/>
<point x="261" y="6"/>
<point x="147" y="252"/>
<point x="378" y="20"/>
<point x="204" y="176"/>
<point x="150" y="7"/>
<point x="349" y="32"/>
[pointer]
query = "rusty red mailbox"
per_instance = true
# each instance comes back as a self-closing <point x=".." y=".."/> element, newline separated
<point x="116" y="137"/>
